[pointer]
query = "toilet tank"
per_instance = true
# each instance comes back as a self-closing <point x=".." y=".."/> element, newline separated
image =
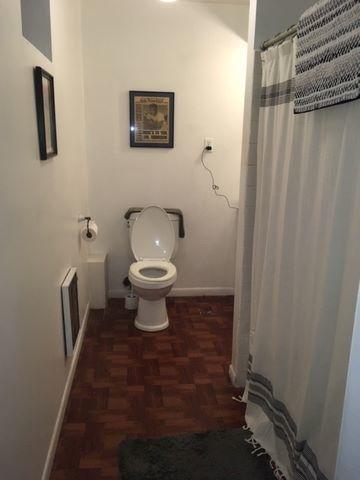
<point x="175" y="223"/>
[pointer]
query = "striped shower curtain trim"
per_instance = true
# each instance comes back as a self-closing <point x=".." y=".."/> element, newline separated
<point x="278" y="93"/>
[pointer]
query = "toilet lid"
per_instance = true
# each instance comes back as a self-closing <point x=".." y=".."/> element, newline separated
<point x="153" y="235"/>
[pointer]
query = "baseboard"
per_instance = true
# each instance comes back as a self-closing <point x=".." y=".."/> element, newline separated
<point x="202" y="291"/>
<point x="183" y="292"/>
<point x="60" y="416"/>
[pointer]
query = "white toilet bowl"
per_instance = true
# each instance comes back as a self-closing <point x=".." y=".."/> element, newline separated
<point x="152" y="281"/>
<point x="153" y="275"/>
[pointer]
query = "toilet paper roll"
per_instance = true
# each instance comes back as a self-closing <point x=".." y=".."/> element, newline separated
<point x="89" y="234"/>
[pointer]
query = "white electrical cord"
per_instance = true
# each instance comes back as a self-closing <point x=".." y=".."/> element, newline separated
<point x="213" y="185"/>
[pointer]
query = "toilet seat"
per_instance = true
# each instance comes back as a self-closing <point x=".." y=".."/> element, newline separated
<point x="148" y="274"/>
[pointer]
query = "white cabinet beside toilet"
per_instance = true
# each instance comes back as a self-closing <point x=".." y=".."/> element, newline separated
<point x="97" y="270"/>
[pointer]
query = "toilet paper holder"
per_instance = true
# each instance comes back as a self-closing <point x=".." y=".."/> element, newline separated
<point x="87" y="220"/>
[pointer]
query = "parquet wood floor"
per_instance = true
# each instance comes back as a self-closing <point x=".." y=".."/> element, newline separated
<point x="134" y="384"/>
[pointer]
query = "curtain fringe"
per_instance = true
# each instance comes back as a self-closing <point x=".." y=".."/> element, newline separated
<point x="239" y="399"/>
<point x="259" y="451"/>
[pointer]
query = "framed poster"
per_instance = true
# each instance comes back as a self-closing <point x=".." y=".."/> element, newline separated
<point x="45" y="111"/>
<point x="152" y="119"/>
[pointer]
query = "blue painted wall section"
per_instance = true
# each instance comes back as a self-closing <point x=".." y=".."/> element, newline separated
<point x="36" y="24"/>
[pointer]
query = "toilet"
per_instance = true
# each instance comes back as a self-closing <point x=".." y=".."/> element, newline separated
<point x="153" y="243"/>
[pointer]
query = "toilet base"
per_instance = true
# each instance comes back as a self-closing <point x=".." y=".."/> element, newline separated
<point x="152" y="315"/>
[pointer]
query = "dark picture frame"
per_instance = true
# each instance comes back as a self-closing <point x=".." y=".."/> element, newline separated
<point x="152" y="119"/>
<point x="45" y="111"/>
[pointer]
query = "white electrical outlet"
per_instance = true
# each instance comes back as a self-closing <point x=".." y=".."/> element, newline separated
<point x="209" y="142"/>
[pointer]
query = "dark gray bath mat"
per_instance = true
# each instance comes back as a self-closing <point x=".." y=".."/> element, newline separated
<point x="222" y="455"/>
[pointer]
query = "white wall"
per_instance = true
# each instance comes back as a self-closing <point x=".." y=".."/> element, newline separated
<point x="246" y="217"/>
<point x="39" y="204"/>
<point x="264" y="22"/>
<point x="198" y="51"/>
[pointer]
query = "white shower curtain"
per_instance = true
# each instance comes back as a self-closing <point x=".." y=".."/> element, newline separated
<point x="306" y="268"/>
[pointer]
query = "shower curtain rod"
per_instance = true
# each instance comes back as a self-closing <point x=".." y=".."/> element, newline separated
<point x="280" y="37"/>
